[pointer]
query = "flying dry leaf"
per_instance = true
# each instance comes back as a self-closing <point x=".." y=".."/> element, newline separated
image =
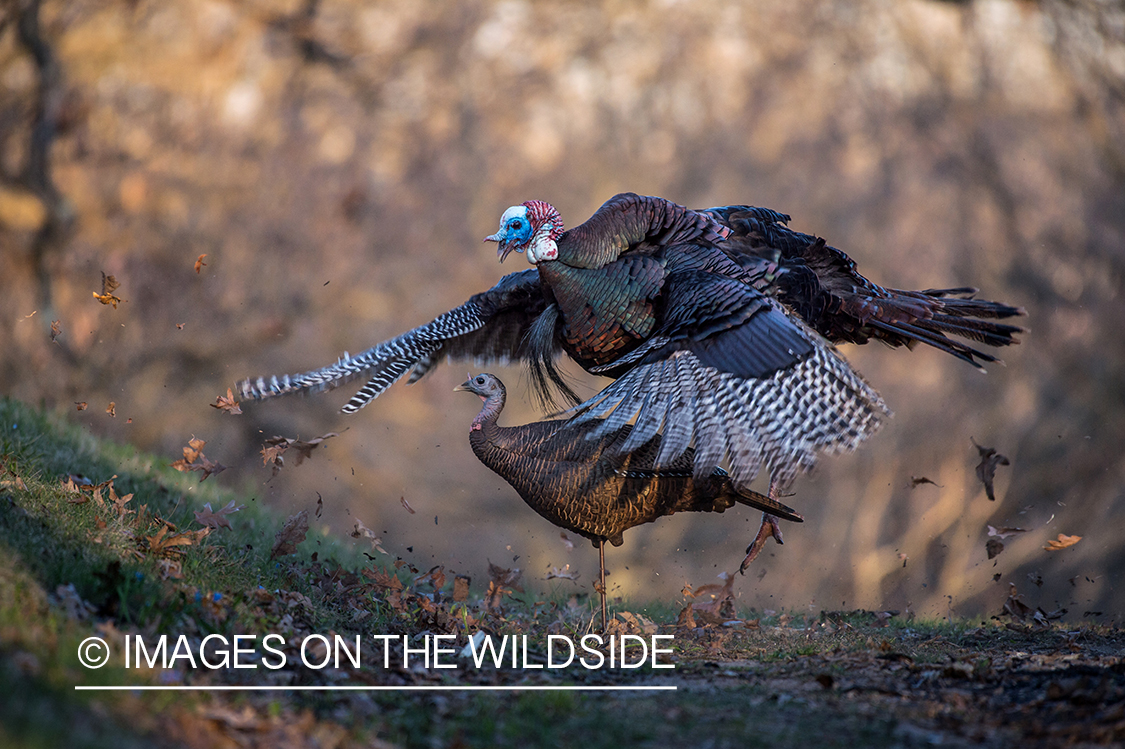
<point x="435" y="577"/>
<point x="916" y="481"/>
<point x="715" y="603"/>
<point x="406" y="505"/>
<point x="566" y="541"/>
<point x="319" y="505"/>
<point x="180" y="325"/>
<point x="359" y="530"/>
<point x="272" y="453"/>
<point x="565" y="573"/>
<point x="111" y="409"/>
<point x="56" y="330"/>
<point x="81" y="405"/>
<point x="986" y="469"/>
<point x="291" y="535"/>
<point x="1005" y="531"/>
<point x="109" y="284"/>
<point x="1062" y="542"/>
<point x="227" y="403"/>
<point x="195" y="460"/>
<point x="994" y="547"/>
<point x="501" y="581"/>
<point x="199" y="262"/>
<point x="304" y="449"/>
<point x="216" y="519"/>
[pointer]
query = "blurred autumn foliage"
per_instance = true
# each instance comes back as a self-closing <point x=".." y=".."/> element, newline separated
<point x="272" y="183"/>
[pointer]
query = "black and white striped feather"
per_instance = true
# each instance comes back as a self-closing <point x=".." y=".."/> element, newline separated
<point x="491" y="327"/>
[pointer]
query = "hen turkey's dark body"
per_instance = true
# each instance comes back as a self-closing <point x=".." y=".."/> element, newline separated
<point x="588" y="486"/>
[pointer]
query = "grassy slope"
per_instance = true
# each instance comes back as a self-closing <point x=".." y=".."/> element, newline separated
<point x="836" y="680"/>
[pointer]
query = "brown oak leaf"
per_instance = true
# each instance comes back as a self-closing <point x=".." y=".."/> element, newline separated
<point x="81" y="405"/>
<point x="227" y="403"/>
<point x="1062" y="542"/>
<point x="195" y="460"/>
<point x="986" y="469"/>
<point x="109" y="284"/>
<point x="216" y="518"/>
<point x="359" y="530"/>
<point x="111" y="409"/>
<point x="502" y="581"/>
<point x="291" y="535"/>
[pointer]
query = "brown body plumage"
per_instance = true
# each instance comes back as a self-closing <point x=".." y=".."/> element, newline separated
<point x="588" y="485"/>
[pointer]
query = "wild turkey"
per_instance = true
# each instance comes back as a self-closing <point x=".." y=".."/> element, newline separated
<point x="590" y="486"/>
<point x="707" y="319"/>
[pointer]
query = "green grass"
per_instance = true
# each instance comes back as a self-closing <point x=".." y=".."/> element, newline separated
<point x="71" y="570"/>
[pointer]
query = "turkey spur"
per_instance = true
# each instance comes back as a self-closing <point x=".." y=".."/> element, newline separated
<point x="590" y="485"/>
<point x="716" y="325"/>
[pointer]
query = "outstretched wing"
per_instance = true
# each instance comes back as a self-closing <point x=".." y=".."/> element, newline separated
<point x="822" y="285"/>
<point x="732" y="374"/>
<point x="491" y="327"/>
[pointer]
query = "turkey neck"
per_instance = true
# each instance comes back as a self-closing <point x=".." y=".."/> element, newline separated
<point x="484" y="425"/>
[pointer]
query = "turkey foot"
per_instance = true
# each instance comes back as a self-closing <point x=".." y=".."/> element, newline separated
<point x="769" y="529"/>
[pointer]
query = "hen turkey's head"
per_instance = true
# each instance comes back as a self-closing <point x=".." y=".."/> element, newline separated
<point x="533" y="227"/>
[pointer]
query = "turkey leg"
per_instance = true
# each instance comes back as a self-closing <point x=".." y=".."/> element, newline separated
<point x="769" y="529"/>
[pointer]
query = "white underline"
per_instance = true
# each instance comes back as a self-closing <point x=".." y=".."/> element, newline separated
<point x="442" y="688"/>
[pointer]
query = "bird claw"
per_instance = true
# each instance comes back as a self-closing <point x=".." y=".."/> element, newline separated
<point x="769" y="529"/>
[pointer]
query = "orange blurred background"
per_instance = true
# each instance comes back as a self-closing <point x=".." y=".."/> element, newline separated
<point x="340" y="161"/>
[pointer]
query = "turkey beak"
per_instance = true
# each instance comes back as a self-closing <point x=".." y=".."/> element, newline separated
<point x="504" y="248"/>
<point x="466" y="385"/>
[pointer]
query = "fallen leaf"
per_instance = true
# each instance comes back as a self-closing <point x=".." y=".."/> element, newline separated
<point x="56" y="330"/>
<point x="216" y="519"/>
<point x="81" y="405"/>
<point x="986" y="470"/>
<point x="199" y="262"/>
<point x="164" y="543"/>
<point x="406" y="505"/>
<point x="994" y="548"/>
<point x="1005" y="531"/>
<point x="109" y="284"/>
<point x="1035" y="578"/>
<point x="904" y="558"/>
<point x="319" y="505"/>
<point x="291" y="535"/>
<point x="1062" y="542"/>
<point x="566" y="542"/>
<point x="227" y="403"/>
<point x="111" y="409"/>
<point x="180" y="325"/>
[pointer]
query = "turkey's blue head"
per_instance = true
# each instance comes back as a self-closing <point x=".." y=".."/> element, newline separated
<point x="533" y="227"/>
